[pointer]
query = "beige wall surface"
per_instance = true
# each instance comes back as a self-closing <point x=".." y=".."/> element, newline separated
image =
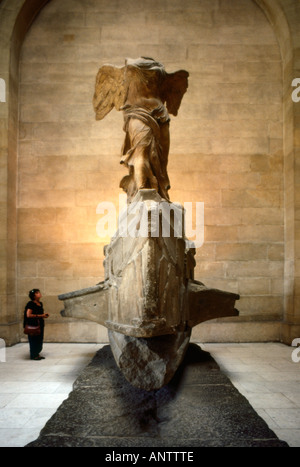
<point x="234" y="146"/>
<point x="226" y="143"/>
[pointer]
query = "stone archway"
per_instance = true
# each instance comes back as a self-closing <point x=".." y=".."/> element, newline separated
<point x="15" y="20"/>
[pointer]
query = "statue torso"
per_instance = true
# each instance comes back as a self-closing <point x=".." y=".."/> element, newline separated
<point x="143" y="88"/>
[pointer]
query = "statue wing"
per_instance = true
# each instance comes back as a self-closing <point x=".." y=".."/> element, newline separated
<point x="174" y="87"/>
<point x="109" y="90"/>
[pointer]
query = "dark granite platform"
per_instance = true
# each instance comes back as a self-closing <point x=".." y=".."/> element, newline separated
<point x="199" y="408"/>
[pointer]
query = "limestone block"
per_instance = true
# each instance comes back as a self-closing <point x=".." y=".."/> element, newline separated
<point x="90" y="197"/>
<point x="88" y="268"/>
<point x="67" y="146"/>
<point x="266" y="305"/>
<point x="91" y="251"/>
<point x="210" y="269"/>
<point x="259" y="268"/>
<point x="182" y="16"/>
<point x="276" y="252"/>
<point x="251" y="198"/>
<point x="266" y="233"/>
<point x="84" y="330"/>
<point x="207" y="252"/>
<point x="258" y="70"/>
<point x="53" y="164"/>
<point x="27" y="234"/>
<point x="28" y="164"/>
<point x="222" y="216"/>
<point x="28" y="216"/>
<point x="27" y="269"/>
<point x="239" y="111"/>
<point x="214" y="163"/>
<point x="45" y="251"/>
<point x="216" y="233"/>
<point x="85" y="233"/>
<point x="237" y="331"/>
<point x="55" y="269"/>
<point x="239" y="145"/>
<point x="88" y="163"/>
<point x="204" y="180"/>
<point x="110" y="33"/>
<point x="56" y="286"/>
<point x="211" y="197"/>
<point x="244" y="251"/>
<point x="68" y="215"/>
<point x="46" y="198"/>
<point x="255" y="285"/>
<point x="277" y="287"/>
<point x="261" y="216"/>
<point x="224" y="52"/>
<point x="59" y="234"/>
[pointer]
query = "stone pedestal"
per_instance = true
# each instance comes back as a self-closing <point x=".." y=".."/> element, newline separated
<point x="199" y="407"/>
<point x="149" y="300"/>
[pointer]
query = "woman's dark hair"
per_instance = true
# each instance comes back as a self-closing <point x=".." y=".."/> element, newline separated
<point x="32" y="293"/>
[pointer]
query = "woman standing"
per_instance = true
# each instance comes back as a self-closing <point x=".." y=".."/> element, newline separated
<point x="34" y="315"/>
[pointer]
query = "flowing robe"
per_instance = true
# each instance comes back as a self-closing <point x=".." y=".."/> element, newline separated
<point x="144" y="151"/>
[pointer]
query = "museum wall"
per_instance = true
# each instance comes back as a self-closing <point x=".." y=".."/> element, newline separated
<point x="15" y="19"/>
<point x="234" y="146"/>
<point x="226" y="149"/>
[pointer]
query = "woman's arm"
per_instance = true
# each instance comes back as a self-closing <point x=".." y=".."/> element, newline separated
<point x="30" y="314"/>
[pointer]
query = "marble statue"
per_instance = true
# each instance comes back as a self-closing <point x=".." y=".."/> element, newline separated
<point x="149" y="300"/>
<point x="146" y="94"/>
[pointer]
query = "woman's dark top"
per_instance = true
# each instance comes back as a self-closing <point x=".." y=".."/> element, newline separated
<point x="36" y="310"/>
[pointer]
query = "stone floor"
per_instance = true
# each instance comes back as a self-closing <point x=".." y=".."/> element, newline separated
<point x="31" y="391"/>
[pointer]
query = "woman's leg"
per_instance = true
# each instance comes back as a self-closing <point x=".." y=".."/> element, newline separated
<point x="41" y="338"/>
<point x="34" y="346"/>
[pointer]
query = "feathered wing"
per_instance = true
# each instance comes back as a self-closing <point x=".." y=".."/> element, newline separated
<point x="109" y="90"/>
<point x="174" y="87"/>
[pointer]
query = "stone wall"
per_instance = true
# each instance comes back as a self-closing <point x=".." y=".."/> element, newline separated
<point x="226" y="146"/>
<point x="15" y="19"/>
<point x="234" y="146"/>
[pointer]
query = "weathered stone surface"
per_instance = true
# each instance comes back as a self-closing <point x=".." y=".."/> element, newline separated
<point x="149" y="288"/>
<point x="94" y="301"/>
<point x="149" y="363"/>
<point x="199" y="407"/>
<point x="149" y="292"/>
<point x="146" y="267"/>
<point x="205" y="303"/>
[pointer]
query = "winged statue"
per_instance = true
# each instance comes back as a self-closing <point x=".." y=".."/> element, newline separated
<point x="146" y="94"/>
<point x="149" y="300"/>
